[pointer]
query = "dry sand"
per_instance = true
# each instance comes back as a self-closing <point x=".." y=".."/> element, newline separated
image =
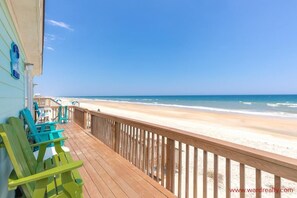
<point x="273" y="134"/>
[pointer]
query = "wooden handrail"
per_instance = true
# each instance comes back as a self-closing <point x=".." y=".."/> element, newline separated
<point x="161" y="152"/>
<point x="280" y="165"/>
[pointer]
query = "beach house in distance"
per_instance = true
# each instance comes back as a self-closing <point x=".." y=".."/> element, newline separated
<point x="21" y="52"/>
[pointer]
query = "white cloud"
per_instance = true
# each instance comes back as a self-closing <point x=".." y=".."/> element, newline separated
<point x="49" y="37"/>
<point x="59" y="24"/>
<point x="50" y="48"/>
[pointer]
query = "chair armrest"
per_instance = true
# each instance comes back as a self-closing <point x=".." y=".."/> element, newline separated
<point x="46" y="132"/>
<point x="49" y="142"/>
<point x="13" y="183"/>
<point x="45" y="124"/>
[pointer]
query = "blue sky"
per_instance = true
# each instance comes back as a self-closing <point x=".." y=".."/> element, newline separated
<point x="169" y="47"/>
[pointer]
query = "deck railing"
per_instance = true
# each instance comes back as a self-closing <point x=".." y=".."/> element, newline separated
<point x="192" y="165"/>
<point x="82" y="117"/>
<point x="54" y="107"/>
<point x="46" y="102"/>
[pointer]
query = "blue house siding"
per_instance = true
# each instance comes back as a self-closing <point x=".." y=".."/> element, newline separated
<point x="12" y="91"/>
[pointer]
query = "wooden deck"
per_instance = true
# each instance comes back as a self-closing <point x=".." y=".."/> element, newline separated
<point x="106" y="173"/>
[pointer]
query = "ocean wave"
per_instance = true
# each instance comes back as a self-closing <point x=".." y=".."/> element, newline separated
<point x="271" y="114"/>
<point x="287" y="104"/>
<point x="246" y="103"/>
<point x="272" y="105"/>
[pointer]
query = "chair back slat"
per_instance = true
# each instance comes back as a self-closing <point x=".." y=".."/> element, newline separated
<point x="19" y="131"/>
<point x="36" y="107"/>
<point x="30" y="122"/>
<point x="16" y="156"/>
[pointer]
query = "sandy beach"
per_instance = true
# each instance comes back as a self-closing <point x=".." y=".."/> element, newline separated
<point x="272" y="134"/>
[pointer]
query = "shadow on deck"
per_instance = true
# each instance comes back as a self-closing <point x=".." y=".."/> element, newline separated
<point x="106" y="173"/>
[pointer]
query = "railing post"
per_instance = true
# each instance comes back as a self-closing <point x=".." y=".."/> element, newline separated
<point x="85" y="125"/>
<point x="47" y="102"/>
<point x="92" y="124"/>
<point x="116" y="141"/>
<point x="170" y="164"/>
<point x="70" y="110"/>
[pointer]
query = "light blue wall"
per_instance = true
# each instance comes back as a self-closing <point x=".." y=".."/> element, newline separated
<point x="12" y="91"/>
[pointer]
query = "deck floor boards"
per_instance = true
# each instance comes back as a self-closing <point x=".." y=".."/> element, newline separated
<point x="106" y="173"/>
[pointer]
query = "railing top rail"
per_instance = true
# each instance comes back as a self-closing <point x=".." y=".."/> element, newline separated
<point x="80" y="108"/>
<point x="47" y="98"/>
<point x="283" y="166"/>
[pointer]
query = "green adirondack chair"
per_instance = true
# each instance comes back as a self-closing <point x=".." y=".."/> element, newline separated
<point x="54" y="177"/>
<point x="63" y="118"/>
<point x="41" y="132"/>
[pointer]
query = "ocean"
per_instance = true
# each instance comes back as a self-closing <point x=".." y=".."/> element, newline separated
<point x="267" y="105"/>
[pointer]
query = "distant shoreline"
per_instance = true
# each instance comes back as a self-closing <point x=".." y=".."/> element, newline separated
<point x="277" y="125"/>
<point x="278" y="108"/>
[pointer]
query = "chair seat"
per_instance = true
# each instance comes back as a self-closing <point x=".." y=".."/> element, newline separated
<point x="50" y="152"/>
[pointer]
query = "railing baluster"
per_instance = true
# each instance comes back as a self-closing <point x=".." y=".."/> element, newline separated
<point x="110" y="133"/>
<point x="204" y="174"/>
<point x="277" y="186"/>
<point x="129" y="144"/>
<point x="126" y="140"/>
<point x="139" y="149"/>
<point x="170" y="164"/>
<point x="228" y="175"/>
<point x="117" y="137"/>
<point x="258" y="183"/>
<point x="135" y="146"/>
<point x="180" y="157"/>
<point x="158" y="158"/>
<point x="187" y="170"/>
<point x="104" y="132"/>
<point x="215" y="178"/>
<point x="143" y="150"/>
<point x="148" y="153"/>
<point x="136" y="143"/>
<point x="242" y="180"/>
<point x="152" y="160"/>
<point x="163" y="161"/>
<point x="195" y="177"/>
<point x="121" y="139"/>
<point x="131" y="147"/>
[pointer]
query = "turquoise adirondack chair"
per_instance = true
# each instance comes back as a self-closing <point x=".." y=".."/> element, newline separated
<point x="40" y="126"/>
<point x="54" y="177"/>
<point x="63" y="118"/>
<point x="41" y="132"/>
